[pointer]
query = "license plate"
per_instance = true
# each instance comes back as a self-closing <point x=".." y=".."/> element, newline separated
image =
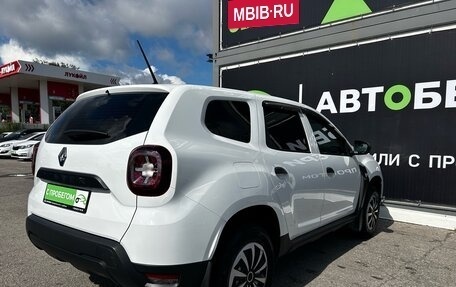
<point x="68" y="198"/>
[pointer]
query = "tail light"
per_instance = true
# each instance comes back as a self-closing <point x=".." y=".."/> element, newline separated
<point x="34" y="152"/>
<point x="149" y="170"/>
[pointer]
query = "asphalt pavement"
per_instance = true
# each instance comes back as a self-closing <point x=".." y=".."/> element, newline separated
<point x="400" y="254"/>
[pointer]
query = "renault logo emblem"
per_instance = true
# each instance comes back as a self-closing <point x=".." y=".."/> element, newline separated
<point x="63" y="156"/>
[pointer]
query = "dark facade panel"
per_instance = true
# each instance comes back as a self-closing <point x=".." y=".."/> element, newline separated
<point x="406" y="107"/>
<point x="312" y="14"/>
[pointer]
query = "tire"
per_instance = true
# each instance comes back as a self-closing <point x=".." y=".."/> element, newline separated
<point x="370" y="213"/>
<point x="101" y="281"/>
<point x="246" y="258"/>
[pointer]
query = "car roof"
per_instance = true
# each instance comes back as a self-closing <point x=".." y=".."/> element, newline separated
<point x="168" y="88"/>
<point x="129" y="89"/>
<point x="28" y="136"/>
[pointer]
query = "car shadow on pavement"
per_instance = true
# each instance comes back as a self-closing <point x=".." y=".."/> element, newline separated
<point x="306" y="263"/>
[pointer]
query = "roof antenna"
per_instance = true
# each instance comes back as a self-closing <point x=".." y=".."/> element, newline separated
<point x="147" y="62"/>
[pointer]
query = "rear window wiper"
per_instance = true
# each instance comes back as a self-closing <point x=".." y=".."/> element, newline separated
<point x="85" y="135"/>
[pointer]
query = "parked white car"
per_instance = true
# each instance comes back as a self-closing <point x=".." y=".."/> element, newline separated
<point x="160" y="185"/>
<point x="24" y="150"/>
<point x="6" y="147"/>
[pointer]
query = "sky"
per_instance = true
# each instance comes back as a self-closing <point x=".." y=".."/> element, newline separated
<point x="100" y="36"/>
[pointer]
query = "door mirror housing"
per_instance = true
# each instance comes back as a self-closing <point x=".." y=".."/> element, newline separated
<point x="361" y="147"/>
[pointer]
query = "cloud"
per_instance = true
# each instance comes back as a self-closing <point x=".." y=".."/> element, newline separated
<point x="94" y="34"/>
<point x="133" y="76"/>
<point x="189" y="22"/>
<point x="100" y="29"/>
<point x="63" y="27"/>
<point x="12" y="51"/>
<point x="164" y="55"/>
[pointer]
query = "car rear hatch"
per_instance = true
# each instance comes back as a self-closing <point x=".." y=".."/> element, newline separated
<point x="81" y="166"/>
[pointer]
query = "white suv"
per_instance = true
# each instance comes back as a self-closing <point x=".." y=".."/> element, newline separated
<point x="160" y="185"/>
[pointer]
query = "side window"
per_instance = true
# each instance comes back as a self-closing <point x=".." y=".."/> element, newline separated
<point x="328" y="140"/>
<point x="284" y="130"/>
<point x="229" y="119"/>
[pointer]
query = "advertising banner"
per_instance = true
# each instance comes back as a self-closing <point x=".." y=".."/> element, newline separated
<point x="261" y="13"/>
<point x="259" y="19"/>
<point x="10" y="69"/>
<point x="399" y="95"/>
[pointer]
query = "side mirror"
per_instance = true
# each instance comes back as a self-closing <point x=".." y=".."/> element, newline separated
<point x="361" y="147"/>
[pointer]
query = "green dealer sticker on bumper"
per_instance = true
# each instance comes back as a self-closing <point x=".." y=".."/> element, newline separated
<point x="69" y="198"/>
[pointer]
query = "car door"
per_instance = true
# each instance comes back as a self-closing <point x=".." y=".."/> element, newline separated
<point x="342" y="174"/>
<point x="296" y="174"/>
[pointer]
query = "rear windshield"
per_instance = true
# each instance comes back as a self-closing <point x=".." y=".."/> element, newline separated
<point x="105" y="118"/>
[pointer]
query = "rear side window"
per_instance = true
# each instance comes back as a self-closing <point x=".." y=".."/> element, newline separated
<point x="229" y="119"/>
<point x="284" y="130"/>
<point x="105" y="118"/>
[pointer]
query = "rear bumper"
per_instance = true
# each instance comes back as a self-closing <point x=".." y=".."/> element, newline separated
<point x="104" y="257"/>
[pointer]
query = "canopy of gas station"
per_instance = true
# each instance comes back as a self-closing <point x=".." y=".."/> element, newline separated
<point x="37" y="92"/>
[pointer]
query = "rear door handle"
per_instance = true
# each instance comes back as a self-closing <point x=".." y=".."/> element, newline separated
<point x="280" y="171"/>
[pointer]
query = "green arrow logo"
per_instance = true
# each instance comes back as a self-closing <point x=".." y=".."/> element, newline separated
<point x="343" y="9"/>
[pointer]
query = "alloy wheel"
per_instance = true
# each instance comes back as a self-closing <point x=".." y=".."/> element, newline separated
<point x="372" y="212"/>
<point x="250" y="268"/>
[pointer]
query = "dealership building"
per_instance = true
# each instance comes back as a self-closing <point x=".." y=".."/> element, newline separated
<point x="38" y="93"/>
<point x="382" y="71"/>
